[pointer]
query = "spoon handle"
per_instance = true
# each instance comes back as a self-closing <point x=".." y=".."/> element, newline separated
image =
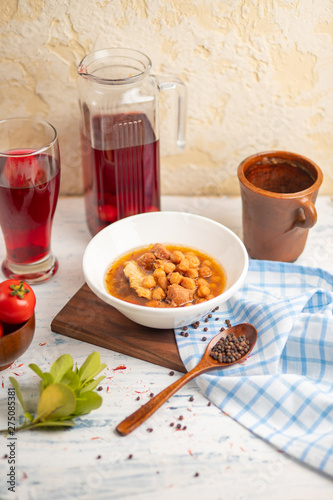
<point x="145" y="411"/>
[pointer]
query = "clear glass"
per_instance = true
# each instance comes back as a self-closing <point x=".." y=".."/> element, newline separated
<point x="29" y="188"/>
<point x="118" y="100"/>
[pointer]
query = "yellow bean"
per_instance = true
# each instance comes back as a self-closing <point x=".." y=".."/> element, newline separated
<point x="169" y="267"/>
<point x="188" y="283"/>
<point x="163" y="282"/>
<point x="158" y="273"/>
<point x="175" y="278"/>
<point x="184" y="265"/>
<point x="203" y="291"/>
<point x="176" y="256"/>
<point x="192" y="273"/>
<point x="158" y="294"/>
<point x="202" y="281"/>
<point x="205" y="272"/>
<point x="149" y="282"/>
<point x="193" y="260"/>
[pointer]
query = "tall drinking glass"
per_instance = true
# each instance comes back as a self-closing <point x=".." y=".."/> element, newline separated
<point x="29" y="188"/>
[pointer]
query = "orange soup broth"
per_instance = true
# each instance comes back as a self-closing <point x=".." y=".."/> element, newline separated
<point x="118" y="285"/>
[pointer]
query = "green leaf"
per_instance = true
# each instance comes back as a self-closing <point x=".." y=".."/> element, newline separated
<point x="46" y="377"/>
<point x="47" y="423"/>
<point x="54" y="423"/>
<point x="56" y="401"/>
<point x="71" y="379"/>
<point x="61" y="366"/>
<point x="87" y="402"/>
<point x="18" y="392"/>
<point x="36" y="369"/>
<point x="91" y="367"/>
<point x="65" y="392"/>
<point x="91" y="385"/>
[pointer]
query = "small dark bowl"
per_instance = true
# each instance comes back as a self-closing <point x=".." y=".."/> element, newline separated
<point x="15" y="343"/>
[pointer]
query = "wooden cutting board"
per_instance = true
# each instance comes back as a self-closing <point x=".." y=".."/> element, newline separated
<point x="86" y="317"/>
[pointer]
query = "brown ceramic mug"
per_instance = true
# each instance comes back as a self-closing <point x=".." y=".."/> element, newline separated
<point x="278" y="191"/>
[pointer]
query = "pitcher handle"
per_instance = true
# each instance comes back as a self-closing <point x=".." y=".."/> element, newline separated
<point x="170" y="82"/>
<point x="306" y="215"/>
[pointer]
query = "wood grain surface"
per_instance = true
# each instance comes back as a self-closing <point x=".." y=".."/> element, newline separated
<point x="87" y="318"/>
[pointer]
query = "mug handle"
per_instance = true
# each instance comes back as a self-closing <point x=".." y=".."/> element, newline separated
<point x="306" y="215"/>
<point x="170" y="82"/>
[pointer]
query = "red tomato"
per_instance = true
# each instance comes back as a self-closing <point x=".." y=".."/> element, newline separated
<point x="1" y="330"/>
<point x="17" y="301"/>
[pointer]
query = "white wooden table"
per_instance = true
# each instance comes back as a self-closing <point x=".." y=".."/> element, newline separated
<point x="214" y="458"/>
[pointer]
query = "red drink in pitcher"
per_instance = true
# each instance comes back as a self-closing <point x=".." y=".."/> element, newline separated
<point x="120" y="167"/>
<point x="29" y="187"/>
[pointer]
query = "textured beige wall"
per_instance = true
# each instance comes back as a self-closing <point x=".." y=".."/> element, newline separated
<point x="259" y="75"/>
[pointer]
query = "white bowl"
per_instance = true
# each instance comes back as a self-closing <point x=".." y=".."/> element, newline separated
<point x="180" y="228"/>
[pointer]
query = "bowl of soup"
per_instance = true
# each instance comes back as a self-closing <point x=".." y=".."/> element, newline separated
<point x="165" y="269"/>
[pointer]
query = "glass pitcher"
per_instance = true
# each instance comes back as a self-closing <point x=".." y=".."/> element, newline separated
<point x="118" y="99"/>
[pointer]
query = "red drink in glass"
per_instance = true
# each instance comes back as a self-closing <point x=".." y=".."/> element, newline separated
<point x="29" y="187"/>
<point x="121" y="169"/>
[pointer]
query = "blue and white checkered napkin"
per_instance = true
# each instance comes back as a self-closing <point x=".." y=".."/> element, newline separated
<point x="283" y="392"/>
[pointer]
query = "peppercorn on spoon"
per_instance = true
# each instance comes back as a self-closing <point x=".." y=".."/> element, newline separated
<point x="206" y="364"/>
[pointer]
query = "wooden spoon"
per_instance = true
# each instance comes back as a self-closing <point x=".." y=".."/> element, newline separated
<point x="206" y="364"/>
